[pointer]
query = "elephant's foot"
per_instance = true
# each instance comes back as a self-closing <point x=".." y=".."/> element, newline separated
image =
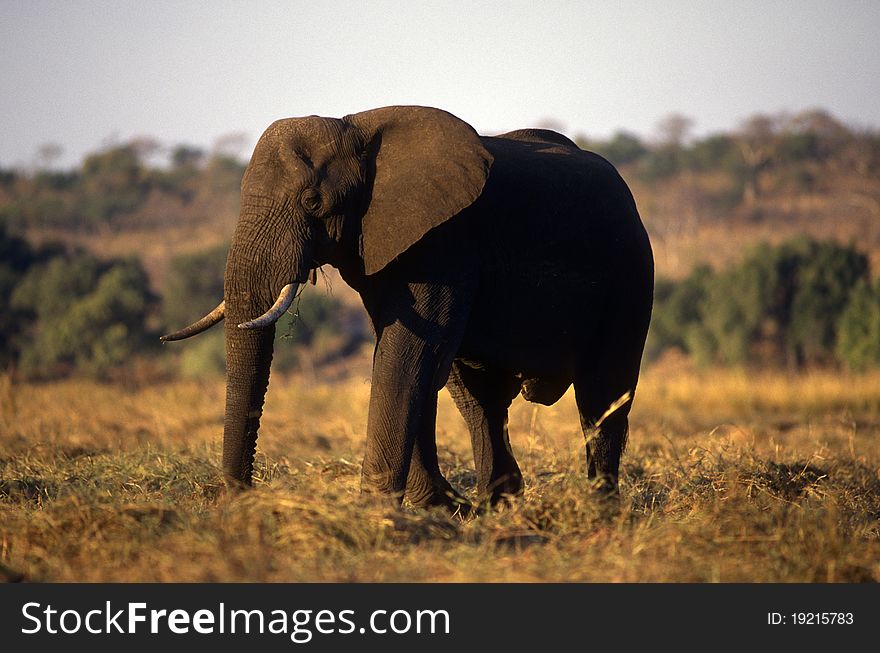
<point x="606" y="493"/>
<point x="504" y="488"/>
<point x="604" y="485"/>
<point x="233" y="486"/>
<point x="382" y="485"/>
<point x="439" y="493"/>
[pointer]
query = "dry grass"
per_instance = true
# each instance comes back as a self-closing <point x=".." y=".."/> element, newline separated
<point x="728" y="477"/>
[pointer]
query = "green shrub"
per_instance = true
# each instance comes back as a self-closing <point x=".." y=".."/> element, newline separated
<point x="826" y="276"/>
<point x="858" y="342"/>
<point x="193" y="287"/>
<point x="677" y="311"/>
<point x="86" y="315"/>
<point x="781" y="305"/>
<point x="203" y="355"/>
<point x="17" y="257"/>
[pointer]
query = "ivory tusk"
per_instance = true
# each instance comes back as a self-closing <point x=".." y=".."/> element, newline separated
<point x="285" y="299"/>
<point x="195" y="328"/>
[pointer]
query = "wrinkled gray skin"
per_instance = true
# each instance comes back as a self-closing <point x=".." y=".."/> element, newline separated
<point x="491" y="265"/>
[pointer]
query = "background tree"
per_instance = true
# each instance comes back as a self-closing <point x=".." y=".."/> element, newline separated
<point x="48" y="154"/>
<point x="193" y="287"/>
<point x="622" y="149"/>
<point x="858" y="343"/>
<point x="757" y="143"/>
<point x="781" y="305"/>
<point x="667" y="157"/>
<point x="113" y="184"/>
<point x="16" y="256"/>
<point x="86" y="315"/>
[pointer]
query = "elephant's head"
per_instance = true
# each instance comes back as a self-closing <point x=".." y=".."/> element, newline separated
<point x="354" y="192"/>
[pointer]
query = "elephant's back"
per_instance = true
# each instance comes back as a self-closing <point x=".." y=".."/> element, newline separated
<point x="562" y="252"/>
<point x="552" y="211"/>
<point x="541" y="178"/>
<point x="535" y="135"/>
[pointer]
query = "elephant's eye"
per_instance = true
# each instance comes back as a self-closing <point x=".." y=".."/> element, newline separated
<point x="310" y="200"/>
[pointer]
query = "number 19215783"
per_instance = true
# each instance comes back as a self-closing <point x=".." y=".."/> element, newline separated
<point x="810" y="619"/>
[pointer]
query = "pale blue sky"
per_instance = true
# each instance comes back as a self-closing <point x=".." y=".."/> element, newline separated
<point x="81" y="73"/>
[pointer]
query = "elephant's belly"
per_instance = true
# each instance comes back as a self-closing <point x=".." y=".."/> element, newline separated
<point x="545" y="390"/>
<point x="533" y="361"/>
<point x="531" y="341"/>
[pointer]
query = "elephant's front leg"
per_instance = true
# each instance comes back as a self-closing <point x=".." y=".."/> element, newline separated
<point x="419" y="328"/>
<point x="403" y="405"/>
<point x="426" y="487"/>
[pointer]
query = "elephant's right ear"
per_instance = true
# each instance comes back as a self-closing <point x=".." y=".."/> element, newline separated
<point x="427" y="166"/>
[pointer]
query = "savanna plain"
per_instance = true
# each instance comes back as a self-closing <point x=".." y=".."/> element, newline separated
<point x="728" y="477"/>
<point x="754" y="446"/>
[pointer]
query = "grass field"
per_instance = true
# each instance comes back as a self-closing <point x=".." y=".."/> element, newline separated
<point x="729" y="476"/>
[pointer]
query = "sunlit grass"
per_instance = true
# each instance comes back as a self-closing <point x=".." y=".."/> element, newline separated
<point x="729" y="476"/>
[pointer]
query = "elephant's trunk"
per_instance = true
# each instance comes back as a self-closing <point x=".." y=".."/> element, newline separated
<point x="248" y="358"/>
<point x="262" y="260"/>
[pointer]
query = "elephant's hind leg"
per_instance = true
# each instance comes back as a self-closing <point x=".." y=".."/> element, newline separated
<point x="604" y="409"/>
<point x="483" y="397"/>
<point x="605" y="385"/>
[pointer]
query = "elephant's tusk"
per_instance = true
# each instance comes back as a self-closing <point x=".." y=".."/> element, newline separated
<point x="285" y="299"/>
<point x="204" y="324"/>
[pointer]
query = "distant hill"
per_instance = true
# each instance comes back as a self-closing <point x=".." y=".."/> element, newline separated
<point x="703" y="200"/>
<point x="709" y="200"/>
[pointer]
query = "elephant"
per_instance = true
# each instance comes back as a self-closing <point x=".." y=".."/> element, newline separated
<point x="492" y="265"/>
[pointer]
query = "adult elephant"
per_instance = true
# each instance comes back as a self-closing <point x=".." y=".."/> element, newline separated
<point x="493" y="265"/>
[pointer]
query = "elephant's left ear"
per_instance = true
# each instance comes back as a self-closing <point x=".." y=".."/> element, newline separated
<point x="427" y="166"/>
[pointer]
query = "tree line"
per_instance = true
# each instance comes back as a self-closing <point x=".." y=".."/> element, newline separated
<point x="799" y="304"/>
<point x="117" y="189"/>
<point x="123" y="187"/>
<point x="63" y="311"/>
<point x="766" y="154"/>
